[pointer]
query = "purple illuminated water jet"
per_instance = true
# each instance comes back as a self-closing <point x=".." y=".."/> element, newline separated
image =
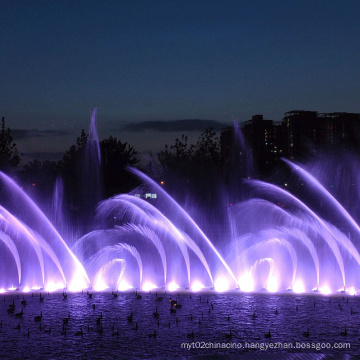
<point x="276" y="242"/>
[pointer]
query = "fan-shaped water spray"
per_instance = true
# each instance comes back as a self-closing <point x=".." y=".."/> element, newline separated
<point x="276" y="241"/>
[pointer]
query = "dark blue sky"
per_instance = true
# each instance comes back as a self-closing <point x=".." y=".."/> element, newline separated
<point x="139" y="61"/>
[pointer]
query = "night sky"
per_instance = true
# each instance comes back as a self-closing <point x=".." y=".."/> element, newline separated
<point x="141" y="62"/>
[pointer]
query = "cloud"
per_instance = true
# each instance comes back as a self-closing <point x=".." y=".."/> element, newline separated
<point x="175" y="125"/>
<point x="33" y="133"/>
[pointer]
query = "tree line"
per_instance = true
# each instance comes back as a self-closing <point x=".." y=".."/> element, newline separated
<point x="183" y="168"/>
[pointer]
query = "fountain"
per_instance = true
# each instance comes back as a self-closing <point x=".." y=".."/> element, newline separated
<point x="277" y="241"/>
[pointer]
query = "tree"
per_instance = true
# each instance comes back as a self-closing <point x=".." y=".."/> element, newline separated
<point x="195" y="168"/>
<point x="72" y="168"/>
<point x="116" y="156"/>
<point x="38" y="178"/>
<point x="177" y="158"/>
<point x="113" y="177"/>
<point x="9" y="156"/>
<point x="208" y="148"/>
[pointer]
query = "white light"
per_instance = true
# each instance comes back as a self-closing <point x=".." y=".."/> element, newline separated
<point x="298" y="287"/>
<point x="36" y="287"/>
<point x="272" y="285"/>
<point x="124" y="285"/>
<point x="148" y="286"/>
<point x="172" y="286"/>
<point x="78" y="283"/>
<point x="352" y="291"/>
<point x="197" y="286"/>
<point x="2" y="290"/>
<point x="51" y="286"/>
<point x="221" y="284"/>
<point x="246" y="282"/>
<point x="325" y="290"/>
<point x="99" y="284"/>
<point x="12" y="288"/>
<point x="26" y="289"/>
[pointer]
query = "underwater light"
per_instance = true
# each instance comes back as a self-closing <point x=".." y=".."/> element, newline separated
<point x="298" y="287"/>
<point x="246" y="282"/>
<point x="272" y="285"/>
<point x="221" y="284"/>
<point x="325" y="290"/>
<point x="172" y="286"/>
<point x="124" y="286"/>
<point x="100" y="284"/>
<point x="197" y="286"/>
<point x="78" y="283"/>
<point x="148" y="286"/>
<point x="51" y="286"/>
<point x="352" y="291"/>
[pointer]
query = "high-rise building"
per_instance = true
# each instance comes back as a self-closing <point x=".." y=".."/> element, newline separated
<point x="305" y="129"/>
<point x="266" y="141"/>
<point x="298" y="134"/>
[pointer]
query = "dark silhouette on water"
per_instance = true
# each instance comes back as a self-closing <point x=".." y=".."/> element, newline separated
<point x="20" y="314"/>
<point x="156" y="314"/>
<point x="63" y="332"/>
<point x="344" y="333"/>
<point x="66" y="320"/>
<point x="80" y="332"/>
<point x="39" y="317"/>
<point x="98" y="320"/>
<point x="130" y="317"/>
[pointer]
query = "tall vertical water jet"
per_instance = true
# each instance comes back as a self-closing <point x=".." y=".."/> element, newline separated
<point x="91" y="172"/>
<point x="57" y="204"/>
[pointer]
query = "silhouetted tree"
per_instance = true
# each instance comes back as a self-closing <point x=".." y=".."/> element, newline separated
<point x="177" y="159"/>
<point x="116" y="156"/>
<point x="189" y="167"/>
<point x="207" y="166"/>
<point x="72" y="171"/>
<point x="38" y="178"/>
<point x="9" y="156"/>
